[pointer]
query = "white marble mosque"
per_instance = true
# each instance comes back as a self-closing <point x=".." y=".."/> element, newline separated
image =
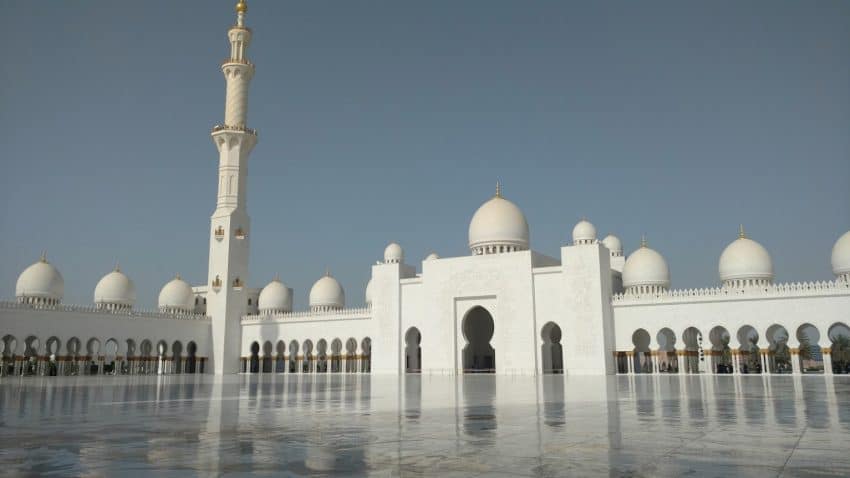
<point x="503" y="309"/>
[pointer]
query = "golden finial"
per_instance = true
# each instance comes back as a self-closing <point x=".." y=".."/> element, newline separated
<point x="276" y="277"/>
<point x="498" y="189"/>
<point x="43" y="257"/>
<point x="241" y="7"/>
<point x="643" y="242"/>
<point x="177" y="276"/>
<point x="741" y="233"/>
<point x="327" y="271"/>
<point x="117" y="267"/>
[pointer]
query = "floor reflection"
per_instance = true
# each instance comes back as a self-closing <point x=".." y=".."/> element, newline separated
<point x="466" y="426"/>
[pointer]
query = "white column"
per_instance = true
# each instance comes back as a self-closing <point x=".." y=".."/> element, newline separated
<point x="827" y="360"/>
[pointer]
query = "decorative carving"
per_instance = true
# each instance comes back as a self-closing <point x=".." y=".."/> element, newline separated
<point x="237" y="283"/>
<point x="240" y="233"/>
<point x="216" y="283"/>
<point x="219" y="233"/>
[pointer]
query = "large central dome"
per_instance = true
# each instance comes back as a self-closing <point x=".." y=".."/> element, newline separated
<point x="498" y="226"/>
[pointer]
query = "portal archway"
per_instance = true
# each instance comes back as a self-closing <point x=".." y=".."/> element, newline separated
<point x="412" y="351"/>
<point x="478" y="355"/>
<point x="254" y="361"/>
<point x="552" y="351"/>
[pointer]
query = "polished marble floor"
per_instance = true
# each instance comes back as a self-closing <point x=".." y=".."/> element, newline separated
<point x="357" y="425"/>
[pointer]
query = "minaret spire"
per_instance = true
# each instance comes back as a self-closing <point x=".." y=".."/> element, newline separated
<point x="241" y="10"/>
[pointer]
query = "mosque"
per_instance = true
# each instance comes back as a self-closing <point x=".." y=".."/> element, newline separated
<point x="502" y="309"/>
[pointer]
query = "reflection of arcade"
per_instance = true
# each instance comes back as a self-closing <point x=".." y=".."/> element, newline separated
<point x="479" y="411"/>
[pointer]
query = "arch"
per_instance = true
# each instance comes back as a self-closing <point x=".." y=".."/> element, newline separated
<point x="191" y="357"/>
<point x="693" y="354"/>
<point x="412" y="351"/>
<point x="51" y="350"/>
<point x="552" y="351"/>
<point x="267" y="357"/>
<point x="9" y="343"/>
<point x="308" y="359"/>
<point x="351" y="355"/>
<point x="749" y="353"/>
<point x="809" y="350"/>
<point x="31" y="346"/>
<point x="293" y="356"/>
<point x="839" y="336"/>
<point x="779" y="354"/>
<point x="92" y="354"/>
<point x="162" y="357"/>
<point x="280" y="356"/>
<point x="177" y="357"/>
<point x="478" y="328"/>
<point x="642" y="352"/>
<point x="336" y="356"/>
<point x="322" y="356"/>
<point x="667" y="360"/>
<point x="110" y="353"/>
<point x="366" y="355"/>
<point x="145" y="365"/>
<point x="254" y="361"/>
<point x="721" y="352"/>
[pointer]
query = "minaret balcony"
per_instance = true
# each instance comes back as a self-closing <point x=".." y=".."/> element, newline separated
<point x="228" y="61"/>
<point x="244" y="129"/>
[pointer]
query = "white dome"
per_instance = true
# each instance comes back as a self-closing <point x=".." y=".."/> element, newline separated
<point x="432" y="256"/>
<point x="613" y="244"/>
<point x="327" y="293"/>
<point x="745" y="259"/>
<point x="115" y="289"/>
<point x="841" y="255"/>
<point x="369" y="292"/>
<point x="584" y="232"/>
<point x="40" y="281"/>
<point x="275" y="297"/>
<point x="646" y="267"/>
<point x="393" y="254"/>
<point x="177" y="295"/>
<point x="498" y="222"/>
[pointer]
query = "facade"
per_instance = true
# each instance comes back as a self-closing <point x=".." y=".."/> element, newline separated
<point x="504" y="308"/>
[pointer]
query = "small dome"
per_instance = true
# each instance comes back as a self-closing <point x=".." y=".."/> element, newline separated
<point x="327" y="294"/>
<point x="369" y="292"/>
<point x="393" y="254"/>
<point x="177" y="295"/>
<point x="841" y="255"/>
<point x="613" y="244"/>
<point x="115" y="290"/>
<point x="498" y="226"/>
<point x="745" y="259"/>
<point x="275" y="297"/>
<point x="584" y="232"/>
<point x="432" y="256"/>
<point x="40" y="283"/>
<point x="646" y="267"/>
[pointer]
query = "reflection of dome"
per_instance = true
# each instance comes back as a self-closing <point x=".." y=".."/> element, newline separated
<point x="584" y="232"/>
<point x="369" y="292"/>
<point x="745" y="262"/>
<point x="841" y="257"/>
<point x="393" y="254"/>
<point x="177" y="296"/>
<point x="613" y="244"/>
<point x="498" y="226"/>
<point x="40" y="283"/>
<point x="327" y="294"/>
<point x="115" y="291"/>
<point x="432" y="256"/>
<point x="645" y="271"/>
<point x="275" y="298"/>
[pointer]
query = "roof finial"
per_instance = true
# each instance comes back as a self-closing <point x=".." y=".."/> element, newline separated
<point x="43" y="257"/>
<point x="643" y="242"/>
<point x="177" y="276"/>
<point x="498" y="189"/>
<point x="741" y="233"/>
<point x="327" y="271"/>
<point x="241" y="10"/>
<point x="117" y="267"/>
<point x="276" y="277"/>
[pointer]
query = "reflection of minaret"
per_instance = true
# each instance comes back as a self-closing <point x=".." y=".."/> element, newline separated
<point x="228" y="259"/>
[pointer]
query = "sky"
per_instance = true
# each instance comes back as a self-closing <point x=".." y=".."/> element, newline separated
<point x="392" y="120"/>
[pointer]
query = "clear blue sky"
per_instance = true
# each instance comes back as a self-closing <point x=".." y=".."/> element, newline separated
<point x="391" y="121"/>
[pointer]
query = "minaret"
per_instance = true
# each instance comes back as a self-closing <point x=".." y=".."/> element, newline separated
<point x="230" y="225"/>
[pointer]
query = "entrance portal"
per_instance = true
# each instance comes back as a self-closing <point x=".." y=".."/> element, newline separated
<point x="552" y="353"/>
<point x="412" y="351"/>
<point x="478" y="355"/>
